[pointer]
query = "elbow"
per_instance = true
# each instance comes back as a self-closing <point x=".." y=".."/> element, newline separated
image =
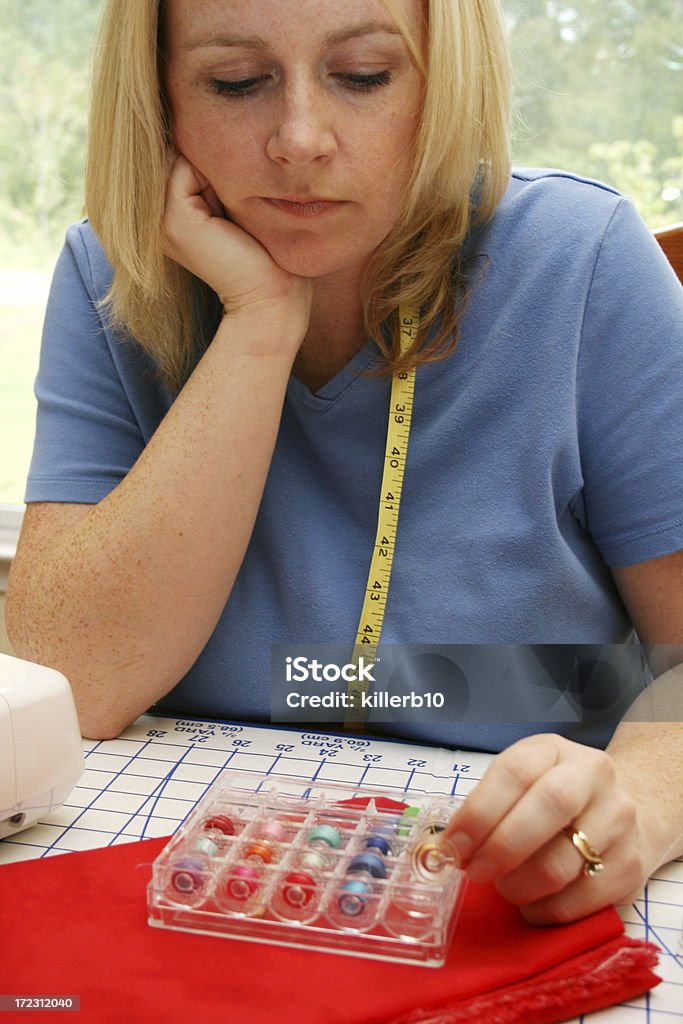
<point x="94" y="729"/>
<point x="101" y="715"/>
<point x="109" y="692"/>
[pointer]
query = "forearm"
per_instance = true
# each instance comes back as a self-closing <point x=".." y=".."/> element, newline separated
<point x="648" y="750"/>
<point x="125" y="599"/>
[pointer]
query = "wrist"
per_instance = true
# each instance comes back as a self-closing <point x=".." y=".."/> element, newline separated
<point x="650" y="769"/>
<point x="264" y="328"/>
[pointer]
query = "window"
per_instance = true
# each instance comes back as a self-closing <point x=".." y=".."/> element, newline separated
<point x="598" y="92"/>
<point x="43" y="85"/>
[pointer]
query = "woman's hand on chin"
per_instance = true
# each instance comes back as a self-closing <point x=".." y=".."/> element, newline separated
<point x="200" y="237"/>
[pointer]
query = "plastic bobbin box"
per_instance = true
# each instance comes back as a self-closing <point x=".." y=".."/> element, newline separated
<point x="323" y="866"/>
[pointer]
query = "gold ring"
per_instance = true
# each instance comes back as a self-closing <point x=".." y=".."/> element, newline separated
<point x="593" y="863"/>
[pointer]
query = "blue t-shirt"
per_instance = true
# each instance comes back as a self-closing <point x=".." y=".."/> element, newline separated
<point x="546" y="449"/>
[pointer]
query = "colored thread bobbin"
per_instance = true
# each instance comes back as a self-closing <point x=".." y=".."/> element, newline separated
<point x="353" y="897"/>
<point x="321" y="843"/>
<point x="315" y="860"/>
<point x="204" y="844"/>
<point x="370" y="862"/>
<point x="189" y="872"/>
<point x="265" y="845"/>
<point x="274" y="830"/>
<point x="259" y="849"/>
<point x="432" y="859"/>
<point x="187" y="875"/>
<point x="241" y="883"/>
<point x="298" y="889"/>
<point x="354" y="893"/>
<point x="219" y="823"/>
<point x="378" y="841"/>
<point x="325" y="834"/>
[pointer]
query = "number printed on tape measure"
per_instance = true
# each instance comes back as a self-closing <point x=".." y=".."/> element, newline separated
<point x="398" y="434"/>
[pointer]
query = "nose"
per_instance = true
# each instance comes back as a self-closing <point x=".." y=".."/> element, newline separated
<point x="303" y="132"/>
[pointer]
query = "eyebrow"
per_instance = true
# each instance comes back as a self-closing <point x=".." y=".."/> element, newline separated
<point x="332" y="39"/>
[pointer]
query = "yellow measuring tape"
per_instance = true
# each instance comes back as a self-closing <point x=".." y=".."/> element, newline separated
<point x="379" y="575"/>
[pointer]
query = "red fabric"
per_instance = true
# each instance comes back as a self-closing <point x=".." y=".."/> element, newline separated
<point x="76" y="924"/>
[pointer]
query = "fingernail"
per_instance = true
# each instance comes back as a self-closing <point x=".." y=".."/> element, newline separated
<point x="463" y="846"/>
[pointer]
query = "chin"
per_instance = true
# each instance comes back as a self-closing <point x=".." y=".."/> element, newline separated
<point x="309" y="255"/>
<point x="312" y="261"/>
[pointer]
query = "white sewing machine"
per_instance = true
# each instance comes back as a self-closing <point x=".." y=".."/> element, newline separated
<point x="41" y="751"/>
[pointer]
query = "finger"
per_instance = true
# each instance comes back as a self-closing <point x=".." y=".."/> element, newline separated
<point x="621" y="882"/>
<point x="560" y="795"/>
<point x="610" y="828"/>
<point x="508" y="778"/>
<point x="190" y="181"/>
<point x="185" y="209"/>
<point x="209" y="196"/>
<point x="548" y="871"/>
<point x="182" y="180"/>
<point x="188" y="187"/>
<point x="575" y="901"/>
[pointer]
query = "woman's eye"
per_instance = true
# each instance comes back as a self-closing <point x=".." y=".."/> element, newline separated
<point x="241" y="87"/>
<point x="237" y="88"/>
<point x="365" y="82"/>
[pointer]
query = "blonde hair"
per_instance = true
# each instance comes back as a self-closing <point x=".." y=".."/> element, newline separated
<point x="461" y="170"/>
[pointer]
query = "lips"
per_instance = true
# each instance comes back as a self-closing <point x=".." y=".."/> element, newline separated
<point x="305" y="207"/>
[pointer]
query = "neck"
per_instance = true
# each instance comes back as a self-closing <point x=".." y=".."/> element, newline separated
<point x="335" y="333"/>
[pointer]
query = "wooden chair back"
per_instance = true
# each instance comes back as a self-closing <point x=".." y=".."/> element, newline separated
<point x="671" y="241"/>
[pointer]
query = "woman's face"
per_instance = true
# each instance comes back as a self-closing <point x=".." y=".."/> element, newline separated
<point x="302" y="115"/>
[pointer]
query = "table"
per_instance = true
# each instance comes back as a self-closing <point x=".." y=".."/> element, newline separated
<point x="144" y="784"/>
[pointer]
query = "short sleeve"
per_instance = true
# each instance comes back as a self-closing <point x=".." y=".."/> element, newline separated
<point x="630" y="396"/>
<point x="97" y="399"/>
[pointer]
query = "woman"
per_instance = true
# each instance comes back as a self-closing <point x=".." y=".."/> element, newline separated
<point x="220" y="420"/>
